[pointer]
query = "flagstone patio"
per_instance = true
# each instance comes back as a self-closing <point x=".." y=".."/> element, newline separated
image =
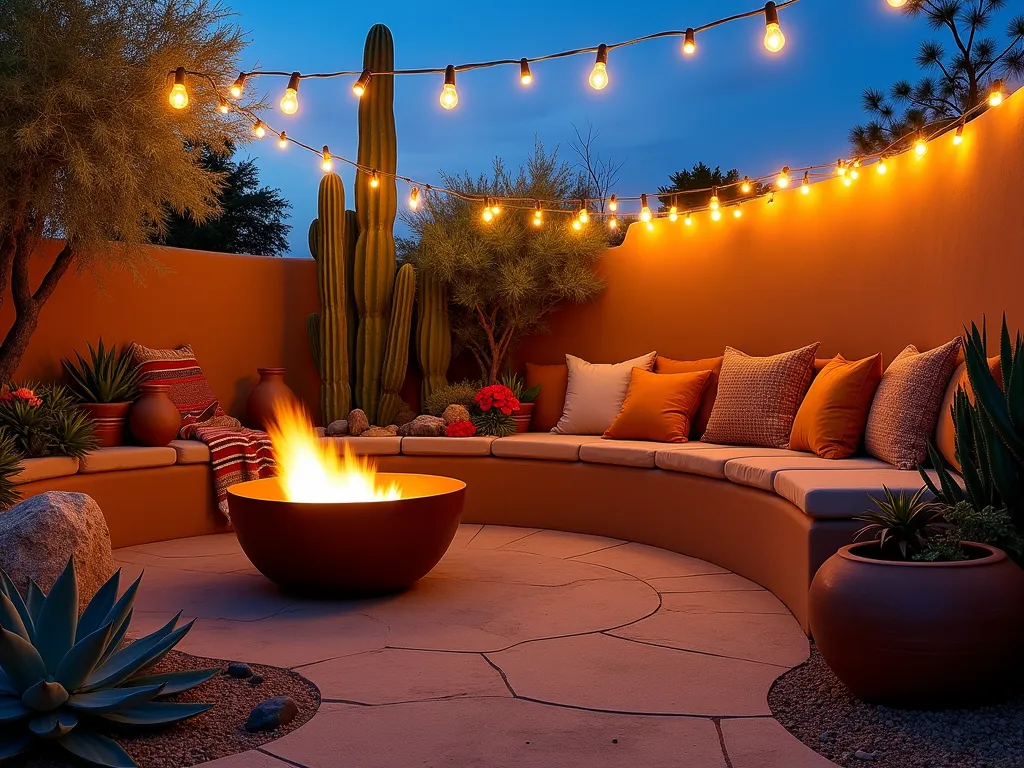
<point x="523" y="647"/>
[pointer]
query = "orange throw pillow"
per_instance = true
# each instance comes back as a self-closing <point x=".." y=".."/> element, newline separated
<point x="550" y="403"/>
<point x="707" y="401"/>
<point x="659" y="407"/>
<point x="945" y="431"/>
<point x="834" y="412"/>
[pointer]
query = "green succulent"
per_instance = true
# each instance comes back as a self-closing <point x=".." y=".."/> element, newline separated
<point x="461" y="393"/>
<point x="60" y="675"/>
<point x="108" y="376"/>
<point x="523" y="393"/>
<point x="56" y="426"/>
<point x="10" y="465"/>
<point x="902" y="523"/>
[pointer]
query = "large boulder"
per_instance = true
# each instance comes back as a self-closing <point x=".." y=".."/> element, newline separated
<point x="39" y="536"/>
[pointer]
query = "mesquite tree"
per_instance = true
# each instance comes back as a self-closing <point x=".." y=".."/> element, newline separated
<point x="504" y="277"/>
<point x="93" y="154"/>
<point x="957" y="80"/>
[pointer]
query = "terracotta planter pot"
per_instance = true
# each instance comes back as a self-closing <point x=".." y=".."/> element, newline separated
<point x="268" y="391"/>
<point x="921" y="635"/>
<point x="109" y="420"/>
<point x="154" y="419"/>
<point x="523" y="417"/>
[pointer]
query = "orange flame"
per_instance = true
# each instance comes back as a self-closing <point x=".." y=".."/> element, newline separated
<point x="310" y="469"/>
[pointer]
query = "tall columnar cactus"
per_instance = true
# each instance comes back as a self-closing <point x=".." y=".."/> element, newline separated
<point x="433" y="334"/>
<point x="329" y="331"/>
<point x="396" y="351"/>
<point x="374" y="272"/>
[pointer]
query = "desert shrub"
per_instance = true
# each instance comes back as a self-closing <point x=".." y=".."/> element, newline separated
<point x="461" y="393"/>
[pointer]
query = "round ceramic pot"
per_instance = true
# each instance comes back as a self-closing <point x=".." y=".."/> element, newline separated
<point x="920" y="635"/>
<point x="270" y="390"/>
<point x="154" y="419"/>
<point x="523" y="416"/>
<point x="108" y="422"/>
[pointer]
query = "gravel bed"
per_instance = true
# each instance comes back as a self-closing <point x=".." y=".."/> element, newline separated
<point x="216" y="733"/>
<point x="815" y="707"/>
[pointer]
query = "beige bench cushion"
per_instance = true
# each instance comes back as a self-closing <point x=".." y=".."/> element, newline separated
<point x="541" y="446"/>
<point x="760" y="472"/>
<point x="368" y="446"/>
<point x="45" y="468"/>
<point x="630" y="453"/>
<point x="447" y="446"/>
<point x="127" y="457"/>
<point x="191" y="451"/>
<point x="841" y="493"/>
<point x="711" y="460"/>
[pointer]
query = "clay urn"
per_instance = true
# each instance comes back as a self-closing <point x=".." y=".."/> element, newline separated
<point x="523" y="416"/>
<point x="921" y="635"/>
<point x="154" y="419"/>
<point x="270" y="390"/>
<point x="108" y="422"/>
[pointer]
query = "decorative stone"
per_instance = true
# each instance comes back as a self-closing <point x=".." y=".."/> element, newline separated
<point x="240" y="670"/>
<point x="357" y="422"/>
<point x="389" y="431"/>
<point x="256" y="680"/>
<point x="405" y="414"/>
<point x="39" y="536"/>
<point x="455" y="412"/>
<point x="423" y="426"/>
<point x="337" y="428"/>
<point x="860" y="754"/>
<point x="272" y="714"/>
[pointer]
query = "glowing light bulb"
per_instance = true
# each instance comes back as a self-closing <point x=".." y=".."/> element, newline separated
<point x="259" y="129"/>
<point x="282" y="140"/>
<point x="805" y="187"/>
<point x="688" y="220"/>
<point x="650" y="226"/>
<point x="613" y="204"/>
<point x="673" y="213"/>
<point x="840" y="168"/>
<point x="920" y="147"/>
<point x="374" y="180"/>
<point x="958" y="137"/>
<point x="583" y="216"/>
<point x="577" y="224"/>
<point x="487" y="215"/>
<point x="645" y="211"/>
<point x="525" y="76"/>
<point x="290" y="100"/>
<point x="716" y="215"/>
<point x="745" y="187"/>
<point x="613" y="223"/>
<point x="238" y="87"/>
<point x="689" y="42"/>
<point x="882" y="166"/>
<point x="223" y="105"/>
<point x="774" y="40"/>
<point x="783" y="180"/>
<point x="495" y="208"/>
<point x="449" y="96"/>
<point x="897" y="3"/>
<point x="855" y="170"/>
<point x="713" y="202"/>
<point x="327" y="164"/>
<point x="414" y="198"/>
<point x="847" y="181"/>
<point x="995" y="96"/>
<point x="360" y="85"/>
<point x="599" y="75"/>
<point x="179" y="94"/>
<point x="538" y="215"/>
<point x="737" y="213"/>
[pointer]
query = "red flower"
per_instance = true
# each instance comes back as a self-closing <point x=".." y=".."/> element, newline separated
<point x="497" y="396"/>
<point x="460" y="429"/>
<point x="23" y="393"/>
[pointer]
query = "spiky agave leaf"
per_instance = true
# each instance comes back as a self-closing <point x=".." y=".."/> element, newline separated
<point x="57" y="621"/>
<point x="902" y="522"/>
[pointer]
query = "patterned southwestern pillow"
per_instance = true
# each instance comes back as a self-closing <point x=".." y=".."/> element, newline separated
<point x="189" y="389"/>
<point x="906" y="405"/>
<point x="758" y="397"/>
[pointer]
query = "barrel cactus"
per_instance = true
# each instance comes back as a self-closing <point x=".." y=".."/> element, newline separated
<point x="433" y="334"/>
<point x="60" y="674"/>
<point x="396" y="352"/>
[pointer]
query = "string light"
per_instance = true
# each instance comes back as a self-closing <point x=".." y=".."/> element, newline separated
<point x="897" y="3"/>
<point x="855" y="170"/>
<point x="650" y="226"/>
<point x="374" y="180"/>
<point x="716" y="214"/>
<point x="713" y="202"/>
<point x="487" y="214"/>
<point x="282" y="140"/>
<point x="613" y="204"/>
<point x="688" y="220"/>
<point x="848" y="181"/>
<point x="577" y="224"/>
<point x="745" y="188"/>
<point x="736" y="212"/>
<point x="995" y="96"/>
<point x="223" y="105"/>
<point x="538" y="215"/>
<point x="774" y="40"/>
<point x="495" y="208"/>
<point x="599" y="74"/>
<point x="525" y="76"/>
<point x="882" y="166"/>
<point x="920" y="147"/>
<point x="238" y="87"/>
<point x="290" y="100"/>
<point x="414" y="198"/>
<point x="449" y="96"/>
<point x="840" y="167"/>
<point x="360" y="85"/>
<point x="689" y="42"/>
<point x="805" y="187"/>
<point x="673" y="213"/>
<point x="645" y="210"/>
<point x="783" y="180"/>
<point x="179" y="94"/>
<point x="584" y="217"/>
<point x="259" y="129"/>
<point x="958" y="137"/>
<point x="613" y="223"/>
<point x="327" y="163"/>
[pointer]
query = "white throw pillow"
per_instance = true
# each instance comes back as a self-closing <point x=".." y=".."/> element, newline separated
<point x="594" y="394"/>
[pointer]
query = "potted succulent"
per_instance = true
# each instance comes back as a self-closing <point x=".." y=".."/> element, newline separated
<point x="106" y="383"/>
<point x="526" y="396"/>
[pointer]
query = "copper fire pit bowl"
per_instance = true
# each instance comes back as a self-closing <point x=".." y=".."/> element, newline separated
<point x="349" y="549"/>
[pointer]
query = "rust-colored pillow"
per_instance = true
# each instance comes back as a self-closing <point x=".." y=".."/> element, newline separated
<point x="707" y="400"/>
<point x="758" y="397"/>
<point x="945" y="432"/>
<point x="659" y="406"/>
<point x="550" y="403"/>
<point x="834" y="412"/>
<point x="906" y="405"/>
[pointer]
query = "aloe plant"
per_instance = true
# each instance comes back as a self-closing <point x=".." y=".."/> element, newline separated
<point x="108" y="376"/>
<point x="60" y="675"/>
<point x="902" y="522"/>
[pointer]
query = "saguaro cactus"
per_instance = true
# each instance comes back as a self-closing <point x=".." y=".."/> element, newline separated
<point x="433" y="334"/>
<point x="396" y="351"/>
<point x="376" y="206"/>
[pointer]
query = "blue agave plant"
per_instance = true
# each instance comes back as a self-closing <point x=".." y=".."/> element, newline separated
<point x="60" y="674"/>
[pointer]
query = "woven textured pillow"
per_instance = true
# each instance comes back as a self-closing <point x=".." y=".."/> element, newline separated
<point x="758" y="397"/>
<point x="906" y="405"/>
<point x="594" y="394"/>
<point x="179" y="370"/>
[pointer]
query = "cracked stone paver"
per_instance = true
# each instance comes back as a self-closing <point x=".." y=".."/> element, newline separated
<point x="645" y="562"/>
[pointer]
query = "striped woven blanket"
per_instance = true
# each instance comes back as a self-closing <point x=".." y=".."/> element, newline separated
<point x="238" y="454"/>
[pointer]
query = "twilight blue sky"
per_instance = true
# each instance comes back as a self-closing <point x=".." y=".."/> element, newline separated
<point x="733" y="104"/>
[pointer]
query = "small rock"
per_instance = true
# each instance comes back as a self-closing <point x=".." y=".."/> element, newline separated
<point x="405" y="414"/>
<point x="272" y="714"/>
<point x="389" y="431"/>
<point x="827" y="737"/>
<point x="337" y="428"/>
<point x="455" y="412"/>
<point x="423" y="426"/>
<point x="256" y="680"/>
<point x="357" y="422"/>
<point x="860" y="754"/>
<point x="239" y="669"/>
